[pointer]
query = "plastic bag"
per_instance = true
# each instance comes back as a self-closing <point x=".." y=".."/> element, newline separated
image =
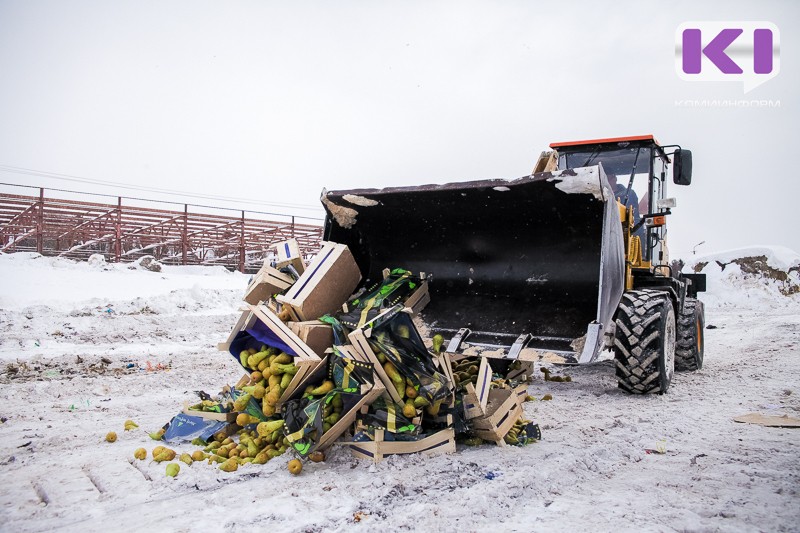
<point x="398" y="340"/>
<point x="378" y="297"/>
<point x="304" y="417"/>
<point x="388" y="416"/>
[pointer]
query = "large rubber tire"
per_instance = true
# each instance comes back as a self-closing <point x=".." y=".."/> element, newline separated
<point x="690" y="341"/>
<point x="644" y="343"/>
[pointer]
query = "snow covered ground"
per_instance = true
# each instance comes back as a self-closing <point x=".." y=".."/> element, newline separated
<point x="83" y="347"/>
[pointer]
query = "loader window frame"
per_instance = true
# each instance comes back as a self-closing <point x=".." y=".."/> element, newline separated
<point x="618" y="160"/>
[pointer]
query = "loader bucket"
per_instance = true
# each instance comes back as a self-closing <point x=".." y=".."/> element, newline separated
<point x="538" y="259"/>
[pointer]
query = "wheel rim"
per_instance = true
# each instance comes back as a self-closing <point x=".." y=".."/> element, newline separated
<point x="669" y="346"/>
<point x="699" y="336"/>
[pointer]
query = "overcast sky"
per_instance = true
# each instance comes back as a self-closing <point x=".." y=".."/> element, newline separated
<point x="272" y="101"/>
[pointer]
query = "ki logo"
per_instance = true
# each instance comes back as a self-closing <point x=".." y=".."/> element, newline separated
<point x="745" y="52"/>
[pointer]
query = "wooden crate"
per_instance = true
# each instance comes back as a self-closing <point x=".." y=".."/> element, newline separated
<point x="441" y="442"/>
<point x="523" y="373"/>
<point x="476" y="397"/>
<point x="369" y="393"/>
<point x="266" y="283"/>
<point x="358" y="338"/>
<point x="317" y="335"/>
<point x="326" y="284"/>
<point x="207" y="415"/>
<point x="289" y="254"/>
<point x="261" y="318"/>
<point x="502" y="412"/>
<point x="418" y="299"/>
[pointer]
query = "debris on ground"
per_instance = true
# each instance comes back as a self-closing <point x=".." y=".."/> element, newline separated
<point x="325" y="366"/>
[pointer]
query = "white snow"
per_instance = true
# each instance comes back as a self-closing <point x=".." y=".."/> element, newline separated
<point x="591" y="471"/>
<point x="579" y="181"/>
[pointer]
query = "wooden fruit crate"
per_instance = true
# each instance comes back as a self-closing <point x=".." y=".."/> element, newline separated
<point x="502" y="411"/>
<point x="441" y="442"/>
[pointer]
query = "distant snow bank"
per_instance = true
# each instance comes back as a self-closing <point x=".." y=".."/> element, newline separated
<point x="750" y="277"/>
<point x="31" y="279"/>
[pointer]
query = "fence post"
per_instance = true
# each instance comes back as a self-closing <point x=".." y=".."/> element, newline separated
<point x="118" y="232"/>
<point x="241" y="247"/>
<point x="40" y="223"/>
<point x="185" y="234"/>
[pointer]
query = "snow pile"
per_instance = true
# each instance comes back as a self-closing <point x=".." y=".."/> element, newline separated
<point x="32" y="279"/>
<point x="750" y="277"/>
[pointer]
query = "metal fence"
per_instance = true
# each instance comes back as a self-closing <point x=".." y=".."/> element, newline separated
<point x="56" y="222"/>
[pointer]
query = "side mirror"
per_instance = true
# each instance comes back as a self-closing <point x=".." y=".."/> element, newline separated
<point x="682" y="171"/>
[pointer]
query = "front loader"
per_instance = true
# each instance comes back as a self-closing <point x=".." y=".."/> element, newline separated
<point x="557" y="265"/>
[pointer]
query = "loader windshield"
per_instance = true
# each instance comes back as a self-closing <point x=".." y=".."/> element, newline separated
<point x="619" y="161"/>
<point x="627" y="168"/>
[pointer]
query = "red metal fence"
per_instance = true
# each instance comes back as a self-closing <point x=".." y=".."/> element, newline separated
<point x="131" y="228"/>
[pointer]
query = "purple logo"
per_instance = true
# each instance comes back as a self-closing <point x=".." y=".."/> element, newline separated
<point x="747" y="52"/>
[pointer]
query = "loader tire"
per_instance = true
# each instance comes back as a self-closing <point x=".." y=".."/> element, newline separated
<point x="644" y="343"/>
<point x="690" y="341"/>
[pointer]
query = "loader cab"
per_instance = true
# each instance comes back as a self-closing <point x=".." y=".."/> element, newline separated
<point x="636" y="168"/>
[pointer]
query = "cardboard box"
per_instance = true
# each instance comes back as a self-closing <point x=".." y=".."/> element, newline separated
<point x="258" y="325"/>
<point x="326" y="284"/>
<point x="317" y="335"/>
<point x="502" y="412"/>
<point x="438" y="443"/>
<point x="267" y="282"/>
<point x="368" y="394"/>
<point x="289" y="254"/>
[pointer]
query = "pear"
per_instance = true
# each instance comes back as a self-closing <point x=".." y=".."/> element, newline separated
<point x="240" y="404"/>
<point x="198" y="455"/>
<point x="111" y="437"/>
<point x="165" y="455"/>
<point x="186" y="458"/>
<point x="244" y="419"/>
<point x="438" y="340"/>
<point x="409" y="411"/>
<point x="173" y="469"/>
<point x="265" y="429"/>
<point x="325" y="388"/>
<point x="140" y="453"/>
<point x="295" y="466"/>
<point x="130" y="424"/>
<point x="317" y="456"/>
<point x="229" y="466"/>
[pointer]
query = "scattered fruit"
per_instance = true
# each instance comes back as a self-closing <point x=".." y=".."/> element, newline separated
<point x="173" y="469"/>
<point x="438" y="340"/>
<point x="111" y="437"/>
<point x="231" y="465"/>
<point x="140" y="453"/>
<point x="130" y="424"/>
<point x="295" y="466"/>
<point x="317" y="456"/>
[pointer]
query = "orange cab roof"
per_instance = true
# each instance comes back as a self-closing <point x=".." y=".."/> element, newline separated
<point x="601" y="141"/>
